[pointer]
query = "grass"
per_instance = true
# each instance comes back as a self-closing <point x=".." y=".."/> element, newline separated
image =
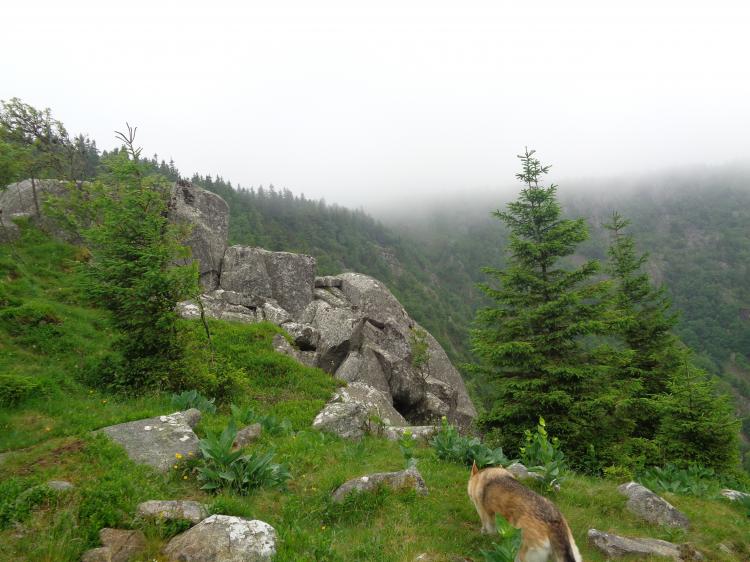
<point x="48" y="336"/>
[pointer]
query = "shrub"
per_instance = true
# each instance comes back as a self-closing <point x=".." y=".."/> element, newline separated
<point x="543" y="456"/>
<point x="193" y="399"/>
<point x="694" y="480"/>
<point x="406" y="446"/>
<point x="419" y="347"/>
<point x="451" y="446"/>
<point x="618" y="473"/>
<point x="507" y="548"/>
<point x="271" y="424"/>
<point x="221" y="468"/>
<point x="15" y="388"/>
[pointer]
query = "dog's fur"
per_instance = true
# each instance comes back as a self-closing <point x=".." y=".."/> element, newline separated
<point x="545" y="533"/>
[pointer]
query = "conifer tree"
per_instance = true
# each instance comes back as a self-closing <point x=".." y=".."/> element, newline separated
<point x="531" y="339"/>
<point x="132" y="271"/>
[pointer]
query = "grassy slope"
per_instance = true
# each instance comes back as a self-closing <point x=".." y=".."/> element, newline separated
<point x="49" y="431"/>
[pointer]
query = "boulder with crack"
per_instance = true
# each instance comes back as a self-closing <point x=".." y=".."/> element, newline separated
<point x="651" y="507"/>
<point x="616" y="546"/>
<point x="223" y="538"/>
<point x="207" y="214"/>
<point x="284" y="277"/>
<point x="159" y="441"/>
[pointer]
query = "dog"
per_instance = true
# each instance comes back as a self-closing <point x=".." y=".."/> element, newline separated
<point x="545" y="533"/>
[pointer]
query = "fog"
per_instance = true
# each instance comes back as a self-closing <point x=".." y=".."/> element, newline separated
<point x="371" y="104"/>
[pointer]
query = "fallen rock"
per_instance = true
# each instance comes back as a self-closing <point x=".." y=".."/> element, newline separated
<point x="222" y="538"/>
<point x="119" y="546"/>
<point x="615" y="546"/>
<point x="173" y="509"/>
<point x="247" y="435"/>
<point x="208" y="216"/>
<point x="60" y="485"/>
<point x="652" y="508"/>
<point x="345" y="419"/>
<point x="157" y="441"/>
<point x="409" y="479"/>
<point x="734" y="495"/>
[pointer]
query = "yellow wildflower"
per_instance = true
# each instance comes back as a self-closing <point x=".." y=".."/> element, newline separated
<point x="178" y="456"/>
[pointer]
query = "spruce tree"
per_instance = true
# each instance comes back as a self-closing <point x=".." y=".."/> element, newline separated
<point x="531" y="340"/>
<point x="671" y="402"/>
<point x="132" y="271"/>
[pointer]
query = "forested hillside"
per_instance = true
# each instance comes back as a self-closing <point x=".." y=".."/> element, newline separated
<point x="694" y="226"/>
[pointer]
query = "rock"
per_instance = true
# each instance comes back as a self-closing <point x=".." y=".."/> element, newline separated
<point x="519" y="471"/>
<point x="247" y="435"/>
<point x="305" y="336"/>
<point x="208" y="216"/>
<point x="173" y="509"/>
<point x="652" y="508"/>
<point x="409" y="479"/>
<point x="222" y="538"/>
<point x="345" y="419"/>
<point x="218" y="304"/>
<point x="339" y="332"/>
<point x="60" y="485"/>
<point x="275" y="314"/>
<point x="328" y="281"/>
<point x="615" y="546"/>
<point x="101" y="554"/>
<point x="376" y="403"/>
<point x="364" y="367"/>
<point x="157" y="441"/>
<point x="119" y="546"/>
<point x="17" y="199"/>
<point x="287" y="278"/>
<point x="372" y="299"/>
<point x="418" y="432"/>
<point x="734" y="495"/>
<point x="328" y="297"/>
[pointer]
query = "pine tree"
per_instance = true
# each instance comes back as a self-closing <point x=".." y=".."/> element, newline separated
<point x="696" y="424"/>
<point x="531" y="340"/>
<point x="132" y="271"/>
<point x="645" y="319"/>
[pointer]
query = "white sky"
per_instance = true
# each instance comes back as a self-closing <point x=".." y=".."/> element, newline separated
<point x="362" y="102"/>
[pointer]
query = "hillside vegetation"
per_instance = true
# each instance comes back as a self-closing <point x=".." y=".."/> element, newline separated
<point x="48" y="335"/>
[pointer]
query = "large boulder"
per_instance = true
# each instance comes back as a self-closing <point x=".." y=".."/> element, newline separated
<point x="615" y="546"/>
<point x="159" y="441"/>
<point x="17" y="201"/>
<point x="645" y="504"/>
<point x="409" y="479"/>
<point x="287" y="278"/>
<point x="223" y="538"/>
<point x="208" y="216"/>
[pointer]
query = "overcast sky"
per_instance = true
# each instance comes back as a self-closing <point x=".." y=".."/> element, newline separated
<point x="358" y="102"/>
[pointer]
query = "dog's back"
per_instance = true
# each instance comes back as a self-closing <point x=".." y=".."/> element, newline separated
<point x="545" y="531"/>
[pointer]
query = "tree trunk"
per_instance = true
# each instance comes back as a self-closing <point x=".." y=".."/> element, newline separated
<point x="36" y="199"/>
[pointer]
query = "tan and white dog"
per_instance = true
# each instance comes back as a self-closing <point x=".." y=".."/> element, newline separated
<point x="545" y="533"/>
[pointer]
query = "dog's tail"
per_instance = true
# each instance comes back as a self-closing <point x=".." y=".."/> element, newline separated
<point x="563" y="544"/>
